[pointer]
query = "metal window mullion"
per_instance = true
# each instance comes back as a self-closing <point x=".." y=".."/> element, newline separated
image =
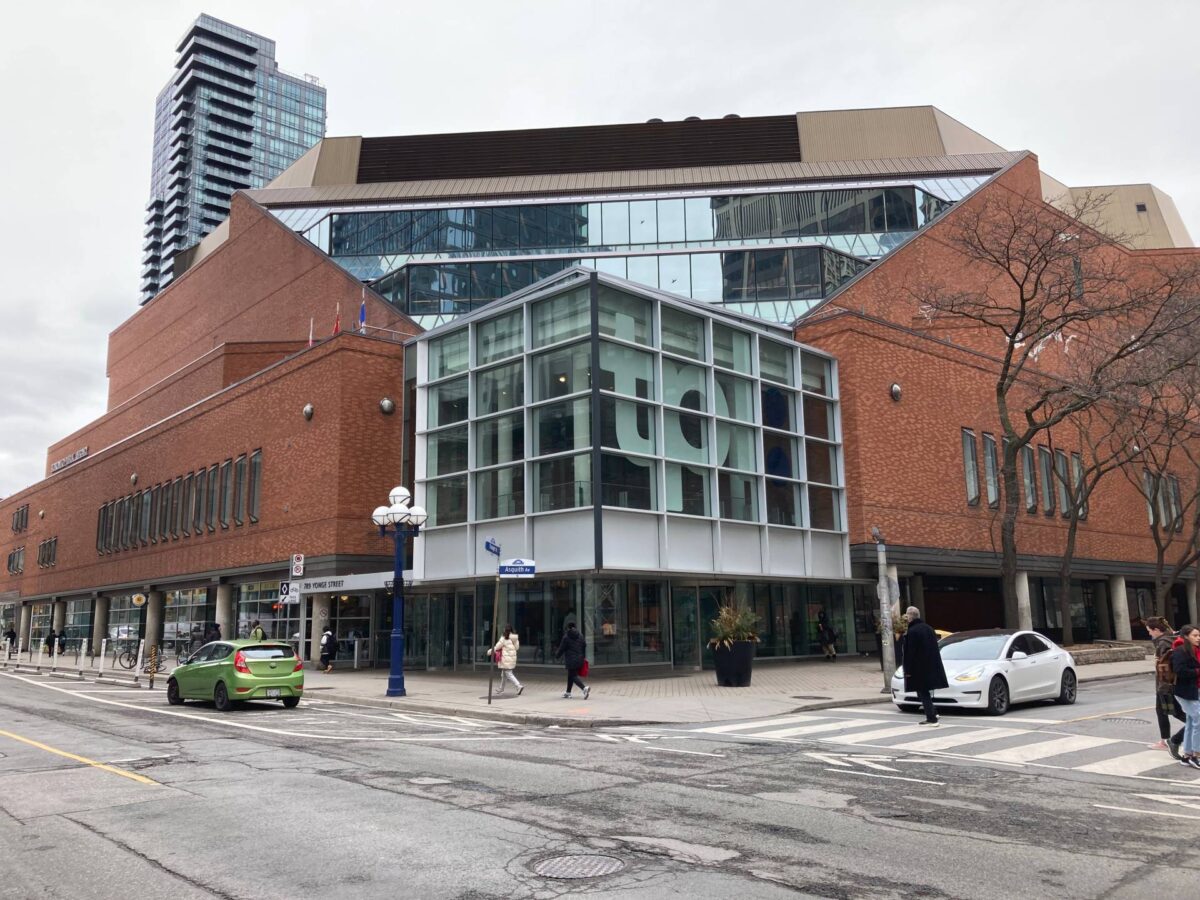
<point x="594" y="337"/>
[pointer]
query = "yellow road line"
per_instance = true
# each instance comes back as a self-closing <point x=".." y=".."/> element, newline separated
<point x="83" y="759"/>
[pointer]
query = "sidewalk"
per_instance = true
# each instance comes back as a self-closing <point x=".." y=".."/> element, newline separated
<point x="776" y="689"/>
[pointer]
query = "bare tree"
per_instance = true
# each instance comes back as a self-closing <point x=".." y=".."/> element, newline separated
<point x="1064" y="312"/>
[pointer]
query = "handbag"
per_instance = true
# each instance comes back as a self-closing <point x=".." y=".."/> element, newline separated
<point x="583" y="670"/>
<point x="498" y="656"/>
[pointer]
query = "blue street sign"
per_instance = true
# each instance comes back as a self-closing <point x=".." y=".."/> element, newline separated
<point x="517" y="568"/>
<point x="490" y="545"/>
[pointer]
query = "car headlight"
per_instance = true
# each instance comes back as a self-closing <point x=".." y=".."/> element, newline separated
<point x="972" y="674"/>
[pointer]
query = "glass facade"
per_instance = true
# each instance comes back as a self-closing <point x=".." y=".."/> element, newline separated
<point x="696" y="416"/>
<point x="771" y="254"/>
<point x="185" y="615"/>
<point x="228" y="119"/>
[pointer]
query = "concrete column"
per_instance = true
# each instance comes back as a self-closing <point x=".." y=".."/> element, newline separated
<point x="1024" y="613"/>
<point x="1193" y="615"/>
<point x="99" y="624"/>
<point x="1103" y="610"/>
<point x="25" y="624"/>
<point x="58" y="617"/>
<point x="154" y="619"/>
<point x="916" y="589"/>
<point x="320" y="618"/>
<point x="1120" y="607"/>
<point x="225" y="610"/>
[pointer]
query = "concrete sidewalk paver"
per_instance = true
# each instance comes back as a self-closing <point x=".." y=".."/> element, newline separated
<point x="777" y="689"/>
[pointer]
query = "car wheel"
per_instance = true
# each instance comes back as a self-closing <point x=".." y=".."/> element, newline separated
<point x="221" y="698"/>
<point x="173" y="693"/>
<point x="998" y="696"/>
<point x="908" y="707"/>
<point x="1069" y="689"/>
<point x="291" y="702"/>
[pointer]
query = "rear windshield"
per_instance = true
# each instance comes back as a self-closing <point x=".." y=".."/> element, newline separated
<point x="268" y="651"/>
<point x="986" y="647"/>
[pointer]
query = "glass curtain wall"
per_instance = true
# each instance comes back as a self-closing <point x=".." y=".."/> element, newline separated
<point x="41" y="619"/>
<point x="126" y="622"/>
<point x="260" y="600"/>
<point x="78" y="622"/>
<point x="186" y="613"/>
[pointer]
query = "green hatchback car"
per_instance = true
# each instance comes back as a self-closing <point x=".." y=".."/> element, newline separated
<point x="227" y="672"/>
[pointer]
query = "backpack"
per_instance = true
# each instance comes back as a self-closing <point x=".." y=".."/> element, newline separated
<point x="1162" y="668"/>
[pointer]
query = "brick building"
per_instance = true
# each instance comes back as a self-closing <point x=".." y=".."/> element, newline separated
<point x="232" y="441"/>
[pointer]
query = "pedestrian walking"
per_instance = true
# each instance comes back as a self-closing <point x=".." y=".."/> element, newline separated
<point x="51" y="642"/>
<point x="923" y="669"/>
<point x="62" y="643"/>
<point x="506" y="659"/>
<point x="328" y="649"/>
<point x="257" y="632"/>
<point x="212" y="632"/>
<point x="1165" y="704"/>
<point x="1185" y="662"/>
<point x="827" y="636"/>
<point x="573" y="650"/>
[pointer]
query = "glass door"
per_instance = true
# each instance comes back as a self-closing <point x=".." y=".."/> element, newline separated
<point x="466" y="629"/>
<point x="441" y="631"/>
<point x="709" y="599"/>
<point x="685" y="630"/>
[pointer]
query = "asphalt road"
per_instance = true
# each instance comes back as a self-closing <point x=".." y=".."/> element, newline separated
<point x="108" y="792"/>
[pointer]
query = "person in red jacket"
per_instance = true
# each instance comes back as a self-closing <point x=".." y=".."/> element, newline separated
<point x="1185" y="662"/>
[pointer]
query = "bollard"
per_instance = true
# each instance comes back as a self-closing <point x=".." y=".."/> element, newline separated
<point x="41" y="654"/>
<point x="54" y="656"/>
<point x="103" y="653"/>
<point x="153" y="663"/>
<point x="137" y="666"/>
<point x="356" y="655"/>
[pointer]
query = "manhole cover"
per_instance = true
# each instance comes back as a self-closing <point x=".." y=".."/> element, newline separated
<point x="1118" y="720"/>
<point x="578" y="865"/>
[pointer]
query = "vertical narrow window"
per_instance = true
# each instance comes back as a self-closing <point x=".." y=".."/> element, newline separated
<point x="991" y="474"/>
<point x="164" y="512"/>
<point x="176" y="505"/>
<point x="114" y="521"/>
<point x="198" y="505"/>
<point x="1046" y="464"/>
<point x="1176" y="503"/>
<point x="226" y="491"/>
<point x="1077" y="484"/>
<point x="1148" y="489"/>
<point x="1029" y="477"/>
<point x="970" y="466"/>
<point x="144" y="534"/>
<point x="1062" y="476"/>
<point x="210" y="515"/>
<point x="155" y="500"/>
<point x="255" y="484"/>
<point x="239" y="490"/>
<point x="100" y="530"/>
<point x="1163" y="492"/>
<point x="185" y="508"/>
<point x="135" y="520"/>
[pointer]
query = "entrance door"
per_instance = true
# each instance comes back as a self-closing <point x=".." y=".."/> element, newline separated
<point x="416" y="631"/>
<point x="466" y="629"/>
<point x="709" y="598"/>
<point x="685" y="630"/>
<point x="441" y="631"/>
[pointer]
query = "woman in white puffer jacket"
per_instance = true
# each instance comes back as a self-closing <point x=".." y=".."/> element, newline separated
<point x="507" y="648"/>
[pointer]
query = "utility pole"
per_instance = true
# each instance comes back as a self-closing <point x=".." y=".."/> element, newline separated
<point x="886" y="634"/>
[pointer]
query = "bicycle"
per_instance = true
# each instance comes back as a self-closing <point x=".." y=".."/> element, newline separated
<point x="127" y="658"/>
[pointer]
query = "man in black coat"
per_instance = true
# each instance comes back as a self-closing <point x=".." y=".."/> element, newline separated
<point x="923" y="669"/>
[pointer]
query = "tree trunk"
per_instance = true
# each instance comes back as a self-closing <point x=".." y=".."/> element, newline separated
<point x="1008" y="539"/>
<point x="1064" y="585"/>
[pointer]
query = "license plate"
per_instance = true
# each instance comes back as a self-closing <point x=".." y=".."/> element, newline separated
<point x="272" y="693"/>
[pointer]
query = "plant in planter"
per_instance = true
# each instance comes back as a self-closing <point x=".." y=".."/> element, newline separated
<point x="732" y="642"/>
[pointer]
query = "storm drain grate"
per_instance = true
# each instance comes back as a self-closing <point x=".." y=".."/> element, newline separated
<point x="578" y="865"/>
<point x="1119" y="720"/>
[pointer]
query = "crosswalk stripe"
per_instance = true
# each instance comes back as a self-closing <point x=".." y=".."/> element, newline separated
<point x="1044" y="749"/>
<point x="748" y="726"/>
<point x="1129" y="764"/>
<point x="879" y="734"/>
<point x="813" y="729"/>
<point x="958" y="737"/>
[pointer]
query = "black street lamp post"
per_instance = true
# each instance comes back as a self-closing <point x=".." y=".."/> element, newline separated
<point x="405" y="522"/>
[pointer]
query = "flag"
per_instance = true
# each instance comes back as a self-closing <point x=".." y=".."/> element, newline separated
<point x="310" y="327"/>
<point x="337" y="320"/>
<point x="362" y="313"/>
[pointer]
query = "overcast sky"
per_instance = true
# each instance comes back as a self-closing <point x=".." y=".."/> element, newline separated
<point x="1104" y="93"/>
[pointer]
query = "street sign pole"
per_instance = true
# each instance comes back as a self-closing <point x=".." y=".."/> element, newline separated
<point x="494" y="548"/>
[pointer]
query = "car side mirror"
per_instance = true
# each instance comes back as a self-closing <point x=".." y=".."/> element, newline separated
<point x="1019" y="654"/>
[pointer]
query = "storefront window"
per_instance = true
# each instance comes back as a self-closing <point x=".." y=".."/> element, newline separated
<point x="125" y="621"/>
<point x="41" y="619"/>
<point x="186" y="616"/>
<point x="259" y="601"/>
<point x="77" y="626"/>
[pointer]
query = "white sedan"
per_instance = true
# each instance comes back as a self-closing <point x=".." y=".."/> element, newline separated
<point x="993" y="669"/>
